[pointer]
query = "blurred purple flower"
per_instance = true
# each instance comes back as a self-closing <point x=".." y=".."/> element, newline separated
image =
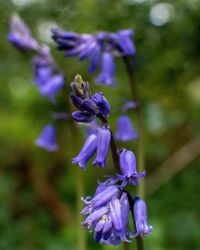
<point x="20" y="35"/>
<point x="46" y="75"/>
<point x="47" y="138"/>
<point x="107" y="75"/>
<point x="125" y="131"/>
<point x="102" y="44"/>
<point x="128" y="168"/>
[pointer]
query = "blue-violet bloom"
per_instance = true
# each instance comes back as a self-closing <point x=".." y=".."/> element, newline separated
<point x="103" y="142"/>
<point x="140" y="217"/>
<point x="47" y="138"/>
<point x="107" y="75"/>
<point x="125" y="131"/>
<point x="128" y="168"/>
<point x="86" y="152"/>
<point x="20" y="35"/>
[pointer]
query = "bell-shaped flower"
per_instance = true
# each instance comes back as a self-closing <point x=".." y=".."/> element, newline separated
<point x="52" y="86"/>
<point x="128" y="168"/>
<point x="102" y="104"/>
<point x="125" y="43"/>
<point x="101" y="197"/>
<point x="125" y="130"/>
<point x="103" y="142"/>
<point x="119" y="211"/>
<point x="47" y="76"/>
<point x="107" y="75"/>
<point x="47" y="138"/>
<point x="20" y="35"/>
<point x="140" y="217"/>
<point x="86" y="152"/>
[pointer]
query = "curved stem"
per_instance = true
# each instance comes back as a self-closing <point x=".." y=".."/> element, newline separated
<point x="129" y="64"/>
<point x="80" y="234"/>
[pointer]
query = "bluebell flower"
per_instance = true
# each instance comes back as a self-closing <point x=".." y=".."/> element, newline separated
<point x="102" y="45"/>
<point x="88" y="106"/>
<point x="46" y="75"/>
<point x="108" y="214"/>
<point x="107" y="75"/>
<point x="125" y="131"/>
<point x="47" y="138"/>
<point x="102" y="104"/>
<point x="103" y="142"/>
<point x="86" y="152"/>
<point x="20" y="35"/>
<point x="128" y="168"/>
<point x="125" y="43"/>
<point x="140" y="217"/>
<point x="102" y="196"/>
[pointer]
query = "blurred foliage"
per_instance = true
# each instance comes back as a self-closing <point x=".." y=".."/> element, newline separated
<point x="168" y="75"/>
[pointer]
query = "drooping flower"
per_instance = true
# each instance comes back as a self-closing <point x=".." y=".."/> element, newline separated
<point x="103" y="142"/>
<point x="102" y="45"/>
<point x="107" y="75"/>
<point x="128" y="168"/>
<point x="86" y="152"/>
<point x="20" y="35"/>
<point x="47" y="138"/>
<point x="140" y="217"/>
<point x="108" y="214"/>
<point x="125" y="131"/>
<point x="102" y="104"/>
<point x="47" y="77"/>
<point x="125" y="43"/>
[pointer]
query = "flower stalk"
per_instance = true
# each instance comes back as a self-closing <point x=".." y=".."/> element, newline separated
<point x="129" y="64"/>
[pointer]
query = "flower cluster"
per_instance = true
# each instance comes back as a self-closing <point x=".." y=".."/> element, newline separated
<point x="100" y="48"/>
<point x="108" y="211"/>
<point x="46" y="75"/>
<point x="90" y="107"/>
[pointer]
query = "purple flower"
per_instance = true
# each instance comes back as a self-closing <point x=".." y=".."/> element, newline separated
<point x="46" y="75"/>
<point x="140" y="217"/>
<point x="125" y="43"/>
<point x="103" y="142"/>
<point x="103" y="195"/>
<point x="119" y="211"/>
<point x="125" y="131"/>
<point x="108" y="214"/>
<point x="47" y="138"/>
<point x="87" y="151"/>
<point x="128" y="168"/>
<point x="102" y="104"/>
<point x="20" y="35"/>
<point x="107" y="75"/>
<point x="83" y="116"/>
<point x="83" y="46"/>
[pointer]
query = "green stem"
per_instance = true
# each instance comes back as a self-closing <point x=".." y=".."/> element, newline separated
<point x="129" y="64"/>
<point x="80" y="235"/>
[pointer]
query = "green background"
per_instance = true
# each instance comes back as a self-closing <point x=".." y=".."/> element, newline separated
<point x="37" y="188"/>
